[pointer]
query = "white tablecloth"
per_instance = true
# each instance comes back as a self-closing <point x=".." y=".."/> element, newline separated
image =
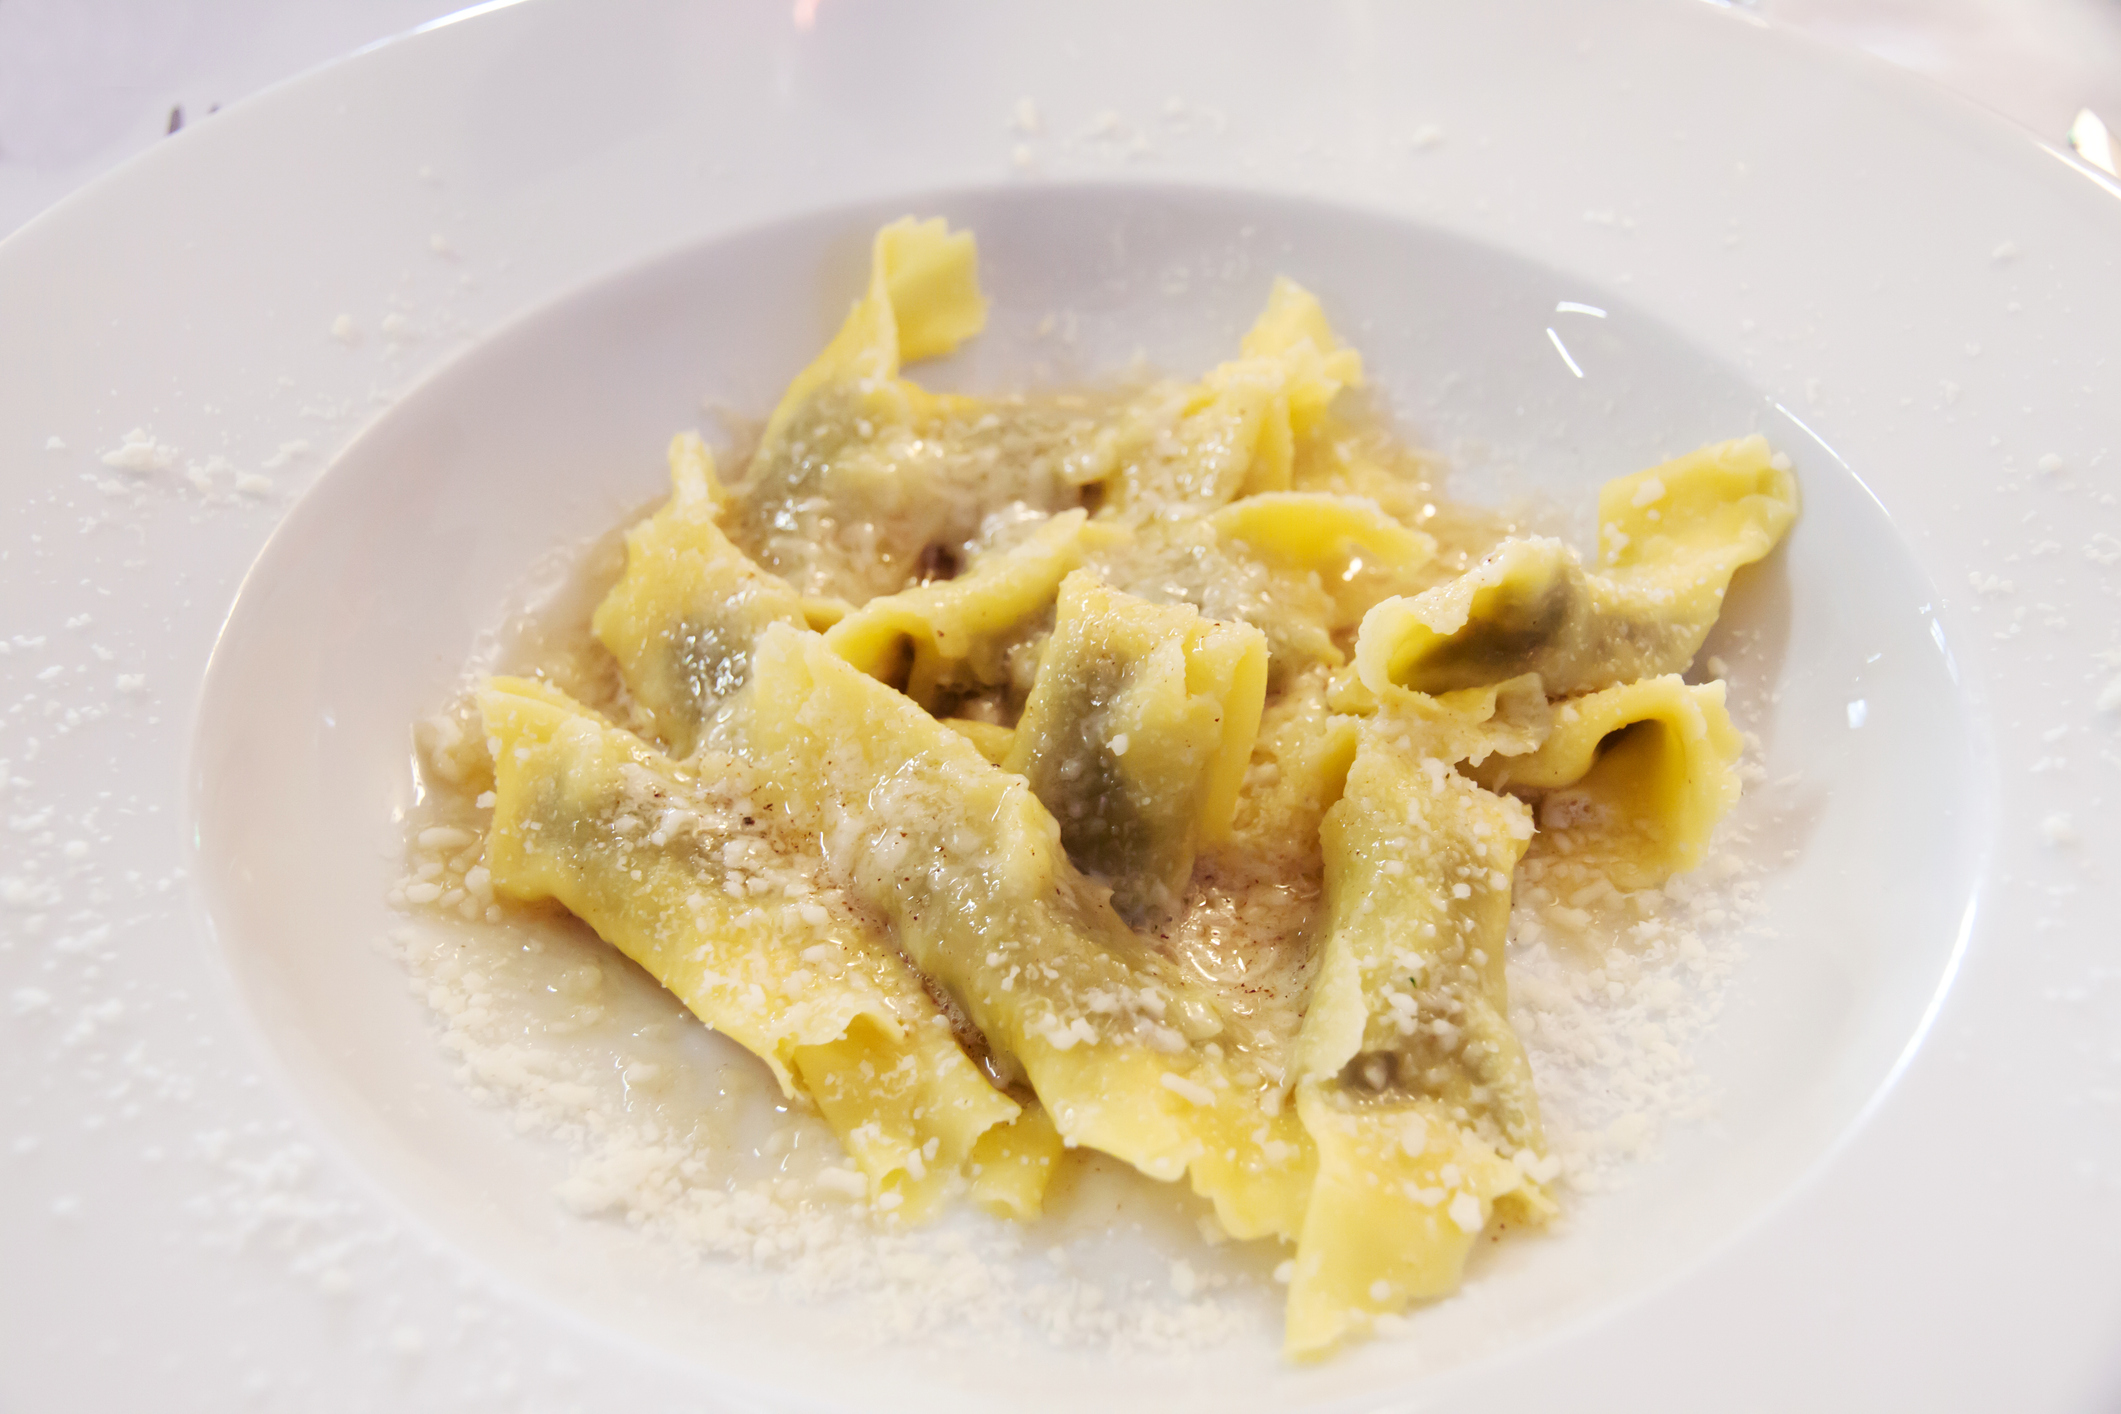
<point x="85" y="84"/>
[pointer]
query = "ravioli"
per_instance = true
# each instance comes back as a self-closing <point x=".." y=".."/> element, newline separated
<point x="1412" y="1084"/>
<point x="1671" y="538"/>
<point x="693" y="874"/>
<point x="681" y="620"/>
<point x="968" y="866"/>
<point x="1353" y="547"/>
<point x="934" y="641"/>
<point x="1136" y="737"/>
<point x="1142" y="769"/>
<point x="1632" y="779"/>
<point x="1236" y="432"/>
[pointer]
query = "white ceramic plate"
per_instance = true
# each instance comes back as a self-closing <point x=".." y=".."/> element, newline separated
<point x="239" y="1165"/>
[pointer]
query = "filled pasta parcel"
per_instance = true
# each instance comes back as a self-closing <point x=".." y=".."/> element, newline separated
<point x="1147" y="769"/>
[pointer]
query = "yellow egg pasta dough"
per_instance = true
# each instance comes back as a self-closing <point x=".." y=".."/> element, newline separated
<point x="1671" y="538"/>
<point x="1144" y="769"/>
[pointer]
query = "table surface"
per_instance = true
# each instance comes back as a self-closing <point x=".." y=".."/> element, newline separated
<point x="85" y="84"/>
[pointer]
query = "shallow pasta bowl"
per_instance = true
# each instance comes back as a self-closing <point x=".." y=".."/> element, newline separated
<point x="503" y="260"/>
